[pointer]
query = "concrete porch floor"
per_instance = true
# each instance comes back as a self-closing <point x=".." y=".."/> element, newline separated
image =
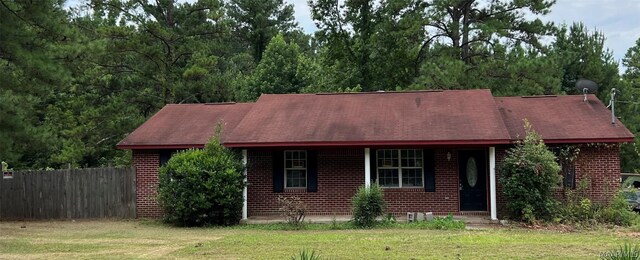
<point x="468" y="219"/>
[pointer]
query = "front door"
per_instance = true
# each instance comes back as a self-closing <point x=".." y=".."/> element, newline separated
<point x="473" y="181"/>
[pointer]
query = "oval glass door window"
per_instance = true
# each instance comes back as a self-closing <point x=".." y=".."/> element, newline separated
<point x="472" y="172"/>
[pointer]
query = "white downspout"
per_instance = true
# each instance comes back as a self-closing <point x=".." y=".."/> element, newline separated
<point x="367" y="167"/>
<point x="244" y="191"/>
<point x="492" y="182"/>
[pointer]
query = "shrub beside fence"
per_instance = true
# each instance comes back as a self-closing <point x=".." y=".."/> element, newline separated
<point x="69" y="194"/>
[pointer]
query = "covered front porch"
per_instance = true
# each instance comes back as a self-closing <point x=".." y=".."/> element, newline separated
<point x="451" y="180"/>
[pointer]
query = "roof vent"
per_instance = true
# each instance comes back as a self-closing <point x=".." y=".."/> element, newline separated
<point x="220" y="103"/>
<point x="540" y="96"/>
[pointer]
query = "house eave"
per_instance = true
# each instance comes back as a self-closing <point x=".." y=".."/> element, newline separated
<point x="589" y="140"/>
<point x="365" y="143"/>
<point x="158" y="146"/>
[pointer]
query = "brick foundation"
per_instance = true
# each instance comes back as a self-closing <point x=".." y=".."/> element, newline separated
<point x="341" y="172"/>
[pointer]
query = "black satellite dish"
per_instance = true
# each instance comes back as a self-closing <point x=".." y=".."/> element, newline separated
<point x="586" y="86"/>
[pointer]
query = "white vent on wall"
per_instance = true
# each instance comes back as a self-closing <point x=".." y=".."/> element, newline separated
<point x="410" y="217"/>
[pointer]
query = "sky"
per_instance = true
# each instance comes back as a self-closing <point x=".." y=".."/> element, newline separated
<point x="619" y="20"/>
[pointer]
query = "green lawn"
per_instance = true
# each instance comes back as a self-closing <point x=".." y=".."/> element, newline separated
<point x="140" y="239"/>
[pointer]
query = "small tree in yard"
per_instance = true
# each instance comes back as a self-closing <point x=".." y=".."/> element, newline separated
<point x="368" y="204"/>
<point x="528" y="173"/>
<point x="202" y="187"/>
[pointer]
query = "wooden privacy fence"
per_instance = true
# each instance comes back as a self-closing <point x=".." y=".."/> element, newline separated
<point x="70" y="194"/>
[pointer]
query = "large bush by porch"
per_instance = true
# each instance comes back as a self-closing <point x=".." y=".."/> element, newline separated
<point x="528" y="173"/>
<point x="202" y="187"/>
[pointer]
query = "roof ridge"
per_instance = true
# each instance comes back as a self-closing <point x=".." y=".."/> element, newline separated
<point x="379" y="92"/>
<point x="205" y="104"/>
<point x="543" y="96"/>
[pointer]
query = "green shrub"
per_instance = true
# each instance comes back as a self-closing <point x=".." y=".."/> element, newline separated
<point x="635" y="227"/>
<point x="202" y="187"/>
<point x="440" y="223"/>
<point x="528" y="173"/>
<point x="626" y="252"/>
<point x="618" y="212"/>
<point x="368" y="204"/>
<point x="577" y="208"/>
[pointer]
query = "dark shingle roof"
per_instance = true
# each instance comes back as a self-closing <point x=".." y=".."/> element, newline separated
<point x="423" y="117"/>
<point x="562" y="119"/>
<point x="185" y="125"/>
<point x="452" y="117"/>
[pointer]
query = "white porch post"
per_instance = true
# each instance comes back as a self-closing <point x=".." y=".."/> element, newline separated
<point x="244" y="191"/>
<point x="492" y="182"/>
<point x="367" y="167"/>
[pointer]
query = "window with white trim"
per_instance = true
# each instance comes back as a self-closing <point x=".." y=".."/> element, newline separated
<point x="400" y="167"/>
<point x="295" y="169"/>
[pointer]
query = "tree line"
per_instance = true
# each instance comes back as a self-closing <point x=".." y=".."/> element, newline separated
<point x="75" y="80"/>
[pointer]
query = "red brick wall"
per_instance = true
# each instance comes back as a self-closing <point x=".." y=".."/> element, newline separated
<point x="147" y="164"/>
<point x="599" y="166"/>
<point x="340" y="173"/>
<point x="444" y="200"/>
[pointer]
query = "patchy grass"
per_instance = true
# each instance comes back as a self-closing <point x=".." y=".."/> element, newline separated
<point x="149" y="239"/>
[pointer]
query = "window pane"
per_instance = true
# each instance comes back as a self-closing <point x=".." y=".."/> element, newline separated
<point x="387" y="158"/>
<point x="296" y="178"/>
<point x="298" y="164"/>
<point x="295" y="160"/>
<point x="411" y="158"/>
<point x="412" y="177"/>
<point x="388" y="177"/>
<point x="405" y="162"/>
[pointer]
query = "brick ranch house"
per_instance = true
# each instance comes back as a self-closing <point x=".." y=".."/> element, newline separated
<point x="432" y="151"/>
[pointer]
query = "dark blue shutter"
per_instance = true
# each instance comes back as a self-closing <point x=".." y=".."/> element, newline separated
<point x="278" y="171"/>
<point x="312" y="171"/>
<point x="429" y="170"/>
<point x="373" y="163"/>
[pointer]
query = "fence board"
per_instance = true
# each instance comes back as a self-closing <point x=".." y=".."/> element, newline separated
<point x="71" y="194"/>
